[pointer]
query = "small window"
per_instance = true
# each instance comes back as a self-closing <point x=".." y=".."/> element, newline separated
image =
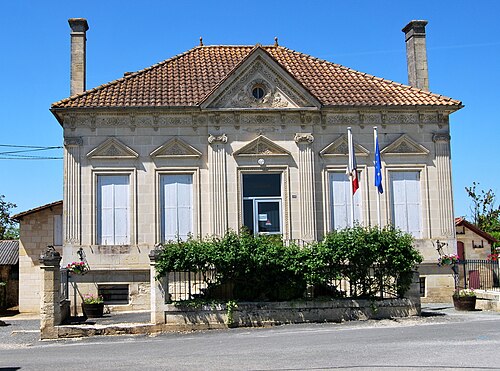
<point x="258" y="92"/>
<point x="114" y="294"/>
<point x="422" y="287"/>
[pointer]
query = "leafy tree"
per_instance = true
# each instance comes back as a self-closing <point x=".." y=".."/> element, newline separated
<point x="485" y="215"/>
<point x="8" y="227"/>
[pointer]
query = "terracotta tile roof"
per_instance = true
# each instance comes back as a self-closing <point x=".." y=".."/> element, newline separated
<point x="186" y="79"/>
<point x="462" y="222"/>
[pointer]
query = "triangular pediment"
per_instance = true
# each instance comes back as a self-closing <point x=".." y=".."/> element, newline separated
<point x="261" y="146"/>
<point x="340" y="147"/>
<point x="111" y="149"/>
<point x="176" y="148"/>
<point x="278" y="88"/>
<point x="404" y="145"/>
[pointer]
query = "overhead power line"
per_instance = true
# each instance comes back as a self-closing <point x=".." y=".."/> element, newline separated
<point x="20" y="154"/>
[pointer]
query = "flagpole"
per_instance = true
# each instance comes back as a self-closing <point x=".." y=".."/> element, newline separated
<point x="349" y="140"/>
<point x="375" y="139"/>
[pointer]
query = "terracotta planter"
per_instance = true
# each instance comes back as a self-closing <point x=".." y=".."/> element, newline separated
<point x="465" y="303"/>
<point x="93" y="310"/>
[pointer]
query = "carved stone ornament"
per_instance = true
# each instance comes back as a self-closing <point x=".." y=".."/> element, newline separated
<point x="441" y="137"/>
<point x="112" y="148"/>
<point x="73" y="141"/>
<point x="261" y="146"/>
<point x="404" y="145"/>
<point x="217" y="138"/>
<point x="340" y="147"/>
<point x="50" y="256"/>
<point x="304" y="138"/>
<point x="278" y="93"/>
<point x="176" y="147"/>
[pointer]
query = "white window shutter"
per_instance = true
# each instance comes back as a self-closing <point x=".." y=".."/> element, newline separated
<point x="340" y="201"/>
<point x="177" y="201"/>
<point x="405" y="201"/>
<point x="113" y="218"/>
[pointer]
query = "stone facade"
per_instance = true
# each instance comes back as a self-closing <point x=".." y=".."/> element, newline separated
<point x="36" y="231"/>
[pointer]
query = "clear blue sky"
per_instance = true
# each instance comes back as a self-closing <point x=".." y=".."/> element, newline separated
<point x="463" y="44"/>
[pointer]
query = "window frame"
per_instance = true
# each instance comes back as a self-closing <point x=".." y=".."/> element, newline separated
<point x="194" y="172"/>
<point x="132" y="174"/>
<point x="424" y="195"/>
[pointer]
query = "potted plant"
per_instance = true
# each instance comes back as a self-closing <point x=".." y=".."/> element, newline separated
<point x="77" y="268"/>
<point x="464" y="299"/>
<point x="93" y="306"/>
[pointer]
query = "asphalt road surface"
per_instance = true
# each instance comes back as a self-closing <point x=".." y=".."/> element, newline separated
<point x="441" y="340"/>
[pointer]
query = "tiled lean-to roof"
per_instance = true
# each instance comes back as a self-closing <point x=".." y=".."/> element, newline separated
<point x="188" y="78"/>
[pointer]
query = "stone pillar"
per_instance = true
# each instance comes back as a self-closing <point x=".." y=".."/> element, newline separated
<point x="306" y="186"/>
<point x="50" y="294"/>
<point x="443" y="167"/>
<point x="218" y="183"/>
<point x="416" y="54"/>
<point x="159" y="291"/>
<point x="79" y="27"/>
<point x="413" y="292"/>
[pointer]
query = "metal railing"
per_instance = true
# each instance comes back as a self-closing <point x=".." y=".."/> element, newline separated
<point x="192" y="285"/>
<point x="64" y="293"/>
<point x="479" y="274"/>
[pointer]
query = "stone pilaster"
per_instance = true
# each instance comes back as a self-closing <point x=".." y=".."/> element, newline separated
<point x="306" y="186"/>
<point x="443" y="167"/>
<point x="159" y="291"/>
<point x="50" y="296"/>
<point x="72" y="191"/>
<point x="218" y="183"/>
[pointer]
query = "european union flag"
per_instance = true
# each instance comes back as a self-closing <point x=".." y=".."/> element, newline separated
<point x="378" y="166"/>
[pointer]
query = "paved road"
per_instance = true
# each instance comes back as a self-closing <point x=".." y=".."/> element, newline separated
<point x="444" y="340"/>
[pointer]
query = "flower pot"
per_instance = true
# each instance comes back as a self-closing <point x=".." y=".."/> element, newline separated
<point x="93" y="310"/>
<point x="464" y="303"/>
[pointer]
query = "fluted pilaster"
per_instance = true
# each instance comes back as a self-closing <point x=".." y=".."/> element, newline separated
<point x="72" y="191"/>
<point x="218" y="183"/>
<point x="306" y="186"/>
<point x="443" y="167"/>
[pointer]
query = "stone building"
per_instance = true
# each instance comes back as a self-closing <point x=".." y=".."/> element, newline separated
<point x="38" y="228"/>
<point x="472" y="242"/>
<point x="221" y="137"/>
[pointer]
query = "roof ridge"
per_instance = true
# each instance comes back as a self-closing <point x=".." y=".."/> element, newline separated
<point x="123" y="78"/>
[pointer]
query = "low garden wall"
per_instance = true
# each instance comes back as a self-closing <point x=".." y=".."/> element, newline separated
<point x="277" y="313"/>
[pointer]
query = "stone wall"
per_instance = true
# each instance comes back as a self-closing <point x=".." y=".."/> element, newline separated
<point x="475" y="246"/>
<point x="36" y="232"/>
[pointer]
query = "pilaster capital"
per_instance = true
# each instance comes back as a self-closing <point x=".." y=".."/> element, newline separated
<point x="441" y="137"/>
<point x="73" y="141"/>
<point x="304" y="138"/>
<point x="217" y="138"/>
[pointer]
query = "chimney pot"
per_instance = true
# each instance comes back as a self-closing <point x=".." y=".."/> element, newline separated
<point x="416" y="54"/>
<point x="79" y="27"/>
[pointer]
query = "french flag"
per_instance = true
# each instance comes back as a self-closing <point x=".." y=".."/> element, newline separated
<point x="352" y="168"/>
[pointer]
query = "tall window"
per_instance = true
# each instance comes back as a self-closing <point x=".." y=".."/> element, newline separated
<point x="262" y="203"/>
<point x="405" y="201"/>
<point x="340" y="201"/>
<point x="176" y="193"/>
<point x="113" y="211"/>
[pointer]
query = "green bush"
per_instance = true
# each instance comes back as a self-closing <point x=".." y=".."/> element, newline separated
<point x="263" y="267"/>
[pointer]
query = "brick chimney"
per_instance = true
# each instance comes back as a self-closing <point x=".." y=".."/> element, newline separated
<point x="416" y="54"/>
<point x="79" y="29"/>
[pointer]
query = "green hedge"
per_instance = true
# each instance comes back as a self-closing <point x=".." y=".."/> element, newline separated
<point x="263" y="267"/>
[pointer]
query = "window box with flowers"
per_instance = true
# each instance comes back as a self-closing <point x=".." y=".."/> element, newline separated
<point x="464" y="300"/>
<point x="448" y="259"/>
<point x="93" y="306"/>
<point x="79" y="268"/>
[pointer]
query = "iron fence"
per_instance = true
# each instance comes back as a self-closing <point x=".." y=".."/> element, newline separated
<point x="343" y="284"/>
<point x="64" y="293"/>
<point x="479" y="274"/>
